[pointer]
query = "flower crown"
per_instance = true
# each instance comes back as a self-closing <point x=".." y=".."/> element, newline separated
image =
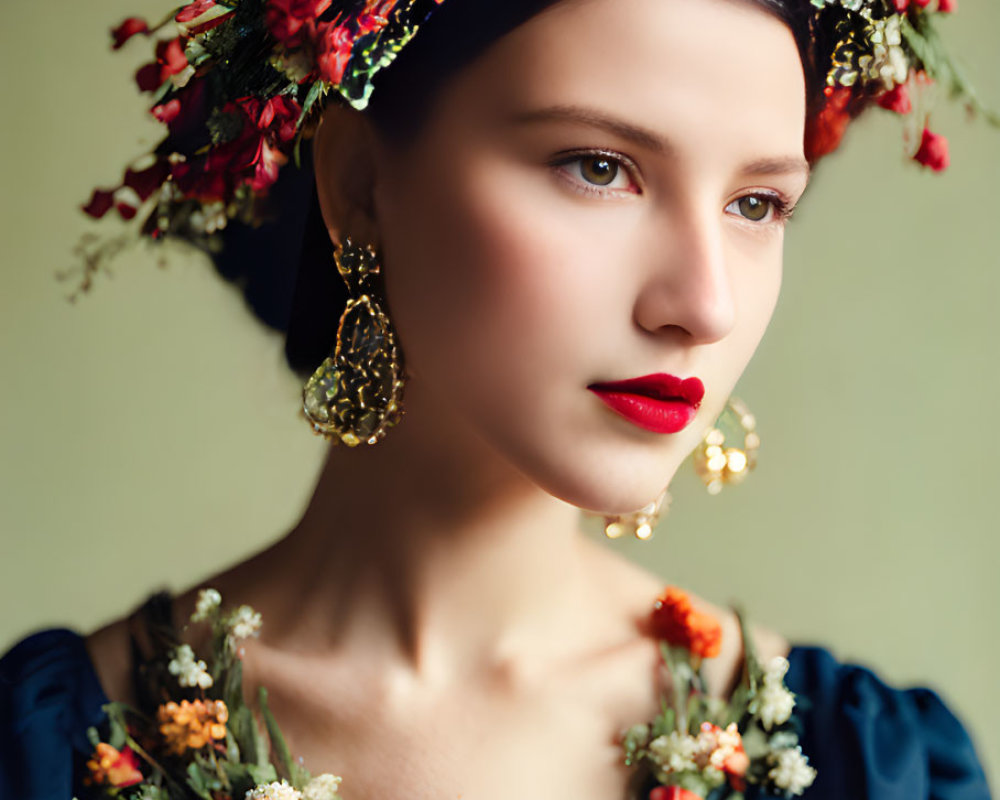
<point x="238" y="84"/>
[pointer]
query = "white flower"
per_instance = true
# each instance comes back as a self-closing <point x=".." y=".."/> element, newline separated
<point x="189" y="671"/>
<point x="791" y="770"/>
<point x="322" y="787"/>
<point x="776" y="702"/>
<point x="274" y="791"/>
<point x="245" y="622"/>
<point x="675" y="752"/>
<point x="208" y="601"/>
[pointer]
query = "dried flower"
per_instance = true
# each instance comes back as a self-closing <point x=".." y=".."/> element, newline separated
<point x="776" y="702"/>
<point x="244" y="623"/>
<point x="933" y="151"/>
<point x="897" y="99"/>
<point x="675" y="752"/>
<point x="189" y="671"/>
<point x="825" y="129"/>
<point x="111" y="767"/>
<point x="676" y="621"/>
<point x="276" y="790"/>
<point x="791" y="770"/>
<point x="192" y="725"/>
<point x="322" y="787"/>
<point x="208" y="601"/>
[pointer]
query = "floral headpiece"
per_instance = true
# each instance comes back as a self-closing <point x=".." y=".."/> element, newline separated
<point x="239" y="83"/>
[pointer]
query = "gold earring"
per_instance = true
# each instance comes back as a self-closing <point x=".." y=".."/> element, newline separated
<point x="718" y="465"/>
<point x="356" y="393"/>
<point x="639" y="523"/>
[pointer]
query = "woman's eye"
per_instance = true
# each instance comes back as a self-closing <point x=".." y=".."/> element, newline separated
<point x="759" y="208"/>
<point x="598" y="171"/>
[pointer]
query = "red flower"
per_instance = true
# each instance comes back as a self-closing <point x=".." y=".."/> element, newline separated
<point x="676" y="621"/>
<point x="335" y="47"/>
<point x="113" y="768"/>
<point x="896" y="99"/>
<point x="374" y="16"/>
<point x="128" y="29"/>
<point x="673" y="793"/>
<point x="192" y="11"/>
<point x="170" y="60"/>
<point x="825" y="129"/>
<point x="947" y="6"/>
<point x="100" y="203"/>
<point x="292" y="21"/>
<point x="933" y="151"/>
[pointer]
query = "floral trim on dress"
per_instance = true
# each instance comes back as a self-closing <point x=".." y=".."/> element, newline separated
<point x="706" y="748"/>
<point x="202" y="742"/>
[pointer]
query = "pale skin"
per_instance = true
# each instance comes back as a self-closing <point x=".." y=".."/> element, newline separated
<point x="436" y="626"/>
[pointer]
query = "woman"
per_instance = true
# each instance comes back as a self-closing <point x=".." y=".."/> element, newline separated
<point x="556" y="216"/>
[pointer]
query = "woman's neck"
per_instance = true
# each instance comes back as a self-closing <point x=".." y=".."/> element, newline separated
<point x="428" y="549"/>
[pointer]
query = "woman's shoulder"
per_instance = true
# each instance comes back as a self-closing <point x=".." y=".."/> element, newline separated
<point x="49" y="696"/>
<point x="868" y="739"/>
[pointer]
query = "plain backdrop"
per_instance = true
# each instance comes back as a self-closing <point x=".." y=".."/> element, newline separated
<point x="149" y="433"/>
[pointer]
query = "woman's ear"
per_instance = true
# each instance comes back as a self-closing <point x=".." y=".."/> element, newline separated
<point x="343" y="158"/>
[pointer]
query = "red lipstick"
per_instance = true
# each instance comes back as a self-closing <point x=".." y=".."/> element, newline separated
<point x="660" y="403"/>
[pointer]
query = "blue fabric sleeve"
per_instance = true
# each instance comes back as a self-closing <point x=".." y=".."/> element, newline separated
<point x="49" y="696"/>
<point x="871" y="742"/>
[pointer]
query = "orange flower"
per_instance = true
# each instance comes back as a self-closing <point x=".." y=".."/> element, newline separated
<point x="676" y="621"/>
<point x="113" y="768"/>
<point x="192" y="725"/>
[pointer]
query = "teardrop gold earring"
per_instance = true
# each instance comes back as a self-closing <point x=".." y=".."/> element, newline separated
<point x="356" y="393"/>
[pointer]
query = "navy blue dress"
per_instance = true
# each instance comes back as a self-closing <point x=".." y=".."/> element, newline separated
<point x="867" y="740"/>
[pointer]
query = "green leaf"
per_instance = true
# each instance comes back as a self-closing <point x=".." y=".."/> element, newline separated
<point x="316" y="91"/>
<point x="197" y="781"/>
<point x="93" y="737"/>
<point x="278" y="744"/>
<point x="262" y="773"/>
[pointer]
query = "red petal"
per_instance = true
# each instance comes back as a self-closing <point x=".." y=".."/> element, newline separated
<point x="128" y="29"/>
<point x="194" y="10"/>
<point x="149" y="77"/>
<point x="100" y="203"/>
<point x="147" y="181"/>
<point x="167" y="112"/>
<point x="933" y="152"/>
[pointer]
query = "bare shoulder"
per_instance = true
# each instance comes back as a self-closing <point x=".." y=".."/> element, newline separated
<point x="634" y="590"/>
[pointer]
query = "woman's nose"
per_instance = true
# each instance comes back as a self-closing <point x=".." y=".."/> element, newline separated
<point x="688" y="287"/>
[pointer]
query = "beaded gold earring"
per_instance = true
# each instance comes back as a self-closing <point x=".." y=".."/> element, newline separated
<point x="639" y="523"/>
<point x="356" y="393"/>
<point x="718" y="465"/>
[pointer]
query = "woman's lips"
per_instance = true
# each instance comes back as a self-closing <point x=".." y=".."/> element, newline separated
<point x="660" y="403"/>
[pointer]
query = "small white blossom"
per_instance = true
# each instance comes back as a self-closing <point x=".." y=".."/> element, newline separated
<point x="245" y="622"/>
<point x="675" y="752"/>
<point x="274" y="791"/>
<point x="190" y="672"/>
<point x="791" y="770"/>
<point x="776" y="702"/>
<point x="208" y="601"/>
<point x="322" y="787"/>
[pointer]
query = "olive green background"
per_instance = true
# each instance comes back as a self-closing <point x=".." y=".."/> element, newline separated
<point x="149" y="433"/>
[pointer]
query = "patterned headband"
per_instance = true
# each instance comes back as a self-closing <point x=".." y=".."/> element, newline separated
<point x="238" y="84"/>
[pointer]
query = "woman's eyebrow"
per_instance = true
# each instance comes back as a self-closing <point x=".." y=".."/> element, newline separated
<point x="596" y="119"/>
<point x="782" y="165"/>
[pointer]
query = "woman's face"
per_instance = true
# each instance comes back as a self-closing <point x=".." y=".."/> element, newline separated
<point x="599" y="197"/>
